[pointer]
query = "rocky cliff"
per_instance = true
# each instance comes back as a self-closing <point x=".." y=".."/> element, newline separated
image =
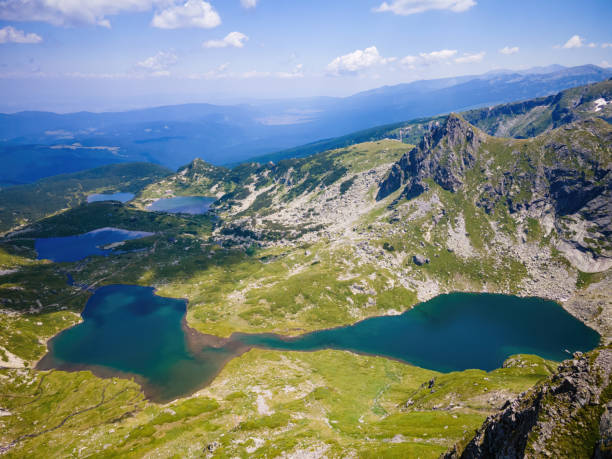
<point x="533" y="117"/>
<point x="563" y="177"/>
<point x="566" y="416"/>
<point x="444" y="155"/>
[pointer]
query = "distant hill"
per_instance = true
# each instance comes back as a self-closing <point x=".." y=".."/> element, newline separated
<point x="38" y="144"/>
<point x="22" y="164"/>
<point x="522" y="119"/>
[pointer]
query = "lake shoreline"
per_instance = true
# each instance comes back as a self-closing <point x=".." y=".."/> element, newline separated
<point x="202" y="347"/>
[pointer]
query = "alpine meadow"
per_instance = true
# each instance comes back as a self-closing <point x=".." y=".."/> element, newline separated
<point x="270" y="229"/>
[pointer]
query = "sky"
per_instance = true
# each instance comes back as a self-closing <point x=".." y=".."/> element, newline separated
<point x="97" y="55"/>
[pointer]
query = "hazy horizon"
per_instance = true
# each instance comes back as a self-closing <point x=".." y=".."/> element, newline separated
<point x="231" y="101"/>
<point x="120" y="55"/>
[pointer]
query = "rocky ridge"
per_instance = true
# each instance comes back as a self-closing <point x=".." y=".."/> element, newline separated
<point x="568" y="415"/>
<point x="532" y="117"/>
<point x="564" y="176"/>
<point x="444" y="154"/>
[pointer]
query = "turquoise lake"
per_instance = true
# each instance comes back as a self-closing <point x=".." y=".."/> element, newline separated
<point x="121" y="197"/>
<point x="129" y="331"/>
<point x="75" y="248"/>
<point x="182" y="205"/>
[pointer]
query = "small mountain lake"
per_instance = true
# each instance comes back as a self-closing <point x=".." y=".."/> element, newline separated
<point x="128" y="331"/>
<point x="121" y="197"/>
<point x="75" y="248"/>
<point x="182" y="205"/>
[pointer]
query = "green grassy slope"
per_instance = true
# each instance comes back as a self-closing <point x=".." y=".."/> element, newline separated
<point x="263" y="404"/>
<point x="27" y="203"/>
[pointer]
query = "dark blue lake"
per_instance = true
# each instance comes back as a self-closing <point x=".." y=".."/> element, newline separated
<point x="121" y="197"/>
<point x="182" y="205"/>
<point x="74" y="248"/>
<point x="128" y="330"/>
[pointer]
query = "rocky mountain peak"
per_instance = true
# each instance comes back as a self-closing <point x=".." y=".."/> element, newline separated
<point x="444" y="154"/>
<point x="564" y="174"/>
<point x="197" y="165"/>
<point x="456" y="129"/>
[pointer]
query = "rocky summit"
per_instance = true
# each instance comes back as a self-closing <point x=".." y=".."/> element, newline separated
<point x="559" y="177"/>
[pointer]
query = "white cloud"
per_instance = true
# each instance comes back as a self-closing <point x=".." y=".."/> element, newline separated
<point x="575" y="42"/>
<point x="409" y="60"/>
<point x="592" y="45"/>
<point x="605" y="64"/>
<point x="9" y="34"/>
<point x="509" y="50"/>
<point x="235" y="39"/>
<point x="248" y="3"/>
<point x="296" y="73"/>
<point x="73" y="12"/>
<point x="468" y="58"/>
<point x="406" y="7"/>
<point x="193" y="13"/>
<point x="438" y="56"/>
<point x="357" y="61"/>
<point x="159" y="64"/>
<point x="606" y="45"/>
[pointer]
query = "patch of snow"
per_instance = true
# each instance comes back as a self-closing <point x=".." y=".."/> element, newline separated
<point x="600" y="103"/>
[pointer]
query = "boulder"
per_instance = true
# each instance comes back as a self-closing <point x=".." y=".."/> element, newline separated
<point x="420" y="260"/>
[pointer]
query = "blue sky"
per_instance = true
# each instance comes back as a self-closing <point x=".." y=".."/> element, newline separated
<point x="66" y="55"/>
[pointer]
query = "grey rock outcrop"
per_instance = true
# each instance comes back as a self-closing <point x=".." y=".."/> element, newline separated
<point x="552" y="419"/>
<point x="420" y="260"/>
<point x="603" y="450"/>
<point x="444" y="154"/>
<point x="563" y="175"/>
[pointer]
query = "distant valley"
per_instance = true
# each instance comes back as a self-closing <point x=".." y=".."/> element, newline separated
<point x="34" y="144"/>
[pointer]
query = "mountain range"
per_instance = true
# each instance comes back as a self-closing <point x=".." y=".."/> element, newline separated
<point x="34" y="145"/>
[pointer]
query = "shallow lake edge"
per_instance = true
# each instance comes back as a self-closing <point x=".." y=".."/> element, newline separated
<point x="194" y="337"/>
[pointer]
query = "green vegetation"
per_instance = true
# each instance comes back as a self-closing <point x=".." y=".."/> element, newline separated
<point x="24" y="204"/>
<point x="533" y="117"/>
<point x="579" y="437"/>
<point x="88" y="217"/>
<point x="326" y="400"/>
<point x="269" y="290"/>
<point x="198" y="178"/>
<point x="533" y="230"/>
<point x="585" y="279"/>
<point x="242" y="270"/>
